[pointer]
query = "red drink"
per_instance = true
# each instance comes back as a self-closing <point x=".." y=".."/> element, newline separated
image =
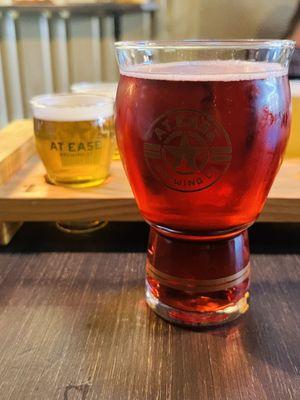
<point x="201" y="143"/>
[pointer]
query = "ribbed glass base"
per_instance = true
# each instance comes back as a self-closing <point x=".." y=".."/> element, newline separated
<point x="196" y="319"/>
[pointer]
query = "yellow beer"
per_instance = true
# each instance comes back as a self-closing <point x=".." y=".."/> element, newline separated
<point x="293" y="148"/>
<point x="74" y="137"/>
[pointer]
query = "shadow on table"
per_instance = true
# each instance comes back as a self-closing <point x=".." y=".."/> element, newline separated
<point x="45" y="237"/>
<point x="269" y="331"/>
<point x="133" y="236"/>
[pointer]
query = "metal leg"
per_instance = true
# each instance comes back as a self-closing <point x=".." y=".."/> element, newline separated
<point x="153" y="25"/>
<point x="117" y="26"/>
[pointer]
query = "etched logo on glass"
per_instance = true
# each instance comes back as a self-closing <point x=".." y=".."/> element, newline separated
<point x="187" y="150"/>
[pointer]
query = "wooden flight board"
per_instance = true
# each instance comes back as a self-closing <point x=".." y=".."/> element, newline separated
<point x="26" y="196"/>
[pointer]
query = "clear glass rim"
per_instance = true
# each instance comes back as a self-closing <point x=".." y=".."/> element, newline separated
<point x="40" y="101"/>
<point x="207" y="44"/>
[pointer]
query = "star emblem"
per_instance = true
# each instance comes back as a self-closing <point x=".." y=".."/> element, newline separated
<point x="184" y="155"/>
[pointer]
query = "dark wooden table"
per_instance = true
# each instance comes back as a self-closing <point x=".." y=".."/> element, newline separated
<point x="74" y="325"/>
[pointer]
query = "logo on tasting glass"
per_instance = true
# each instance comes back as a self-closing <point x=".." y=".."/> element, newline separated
<point x="187" y="150"/>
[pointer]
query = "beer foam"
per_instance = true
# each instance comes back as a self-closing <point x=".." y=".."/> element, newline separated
<point x="71" y="107"/>
<point x="218" y="70"/>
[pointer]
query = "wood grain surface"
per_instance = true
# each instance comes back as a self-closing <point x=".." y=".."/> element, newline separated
<point x="7" y="231"/>
<point x="74" y="325"/>
<point x="28" y="197"/>
<point x="16" y="147"/>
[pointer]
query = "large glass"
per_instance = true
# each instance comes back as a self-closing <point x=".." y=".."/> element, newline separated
<point x="201" y="127"/>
